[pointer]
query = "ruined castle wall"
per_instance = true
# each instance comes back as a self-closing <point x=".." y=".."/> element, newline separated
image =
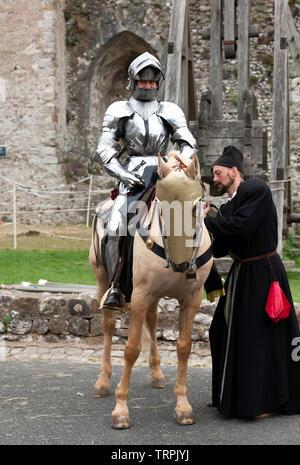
<point x="63" y="62"/>
<point x="102" y="39"/>
<point x="32" y="72"/>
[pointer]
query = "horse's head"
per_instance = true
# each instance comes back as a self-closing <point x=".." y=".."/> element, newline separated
<point x="179" y="191"/>
<point x="177" y="162"/>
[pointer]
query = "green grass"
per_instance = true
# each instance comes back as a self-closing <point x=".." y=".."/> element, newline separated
<point x="293" y="277"/>
<point x="65" y="266"/>
<point x="72" y="267"/>
<point x="294" y="281"/>
<point x="289" y="245"/>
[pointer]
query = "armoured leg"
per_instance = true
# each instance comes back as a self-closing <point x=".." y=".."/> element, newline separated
<point x="116" y="230"/>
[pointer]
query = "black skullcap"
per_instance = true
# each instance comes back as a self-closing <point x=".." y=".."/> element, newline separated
<point x="230" y="157"/>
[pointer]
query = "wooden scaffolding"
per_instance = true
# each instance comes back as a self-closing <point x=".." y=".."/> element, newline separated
<point x="229" y="34"/>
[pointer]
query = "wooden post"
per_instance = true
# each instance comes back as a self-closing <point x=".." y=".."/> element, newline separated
<point x="288" y="192"/>
<point x="15" y="217"/>
<point x="293" y="37"/>
<point x="216" y="59"/>
<point x="188" y="88"/>
<point x="184" y="97"/>
<point x="243" y="54"/>
<point x="174" y="59"/>
<point x="280" y="114"/>
<point x="89" y="202"/>
<point x="229" y="28"/>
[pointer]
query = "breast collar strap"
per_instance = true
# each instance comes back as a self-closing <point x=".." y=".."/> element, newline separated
<point x="182" y="267"/>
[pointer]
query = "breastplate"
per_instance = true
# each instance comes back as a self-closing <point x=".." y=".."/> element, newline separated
<point x="145" y="136"/>
<point x="144" y="132"/>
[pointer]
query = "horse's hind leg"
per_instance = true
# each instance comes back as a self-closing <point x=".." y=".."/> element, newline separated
<point x="157" y="378"/>
<point x="101" y="388"/>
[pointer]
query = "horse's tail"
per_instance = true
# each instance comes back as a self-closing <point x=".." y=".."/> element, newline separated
<point x="96" y="241"/>
<point x="146" y="342"/>
<point x="146" y="339"/>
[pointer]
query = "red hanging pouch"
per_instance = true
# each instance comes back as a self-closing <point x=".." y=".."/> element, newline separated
<point x="277" y="305"/>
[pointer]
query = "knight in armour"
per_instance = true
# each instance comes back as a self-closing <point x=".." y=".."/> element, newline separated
<point x="143" y="125"/>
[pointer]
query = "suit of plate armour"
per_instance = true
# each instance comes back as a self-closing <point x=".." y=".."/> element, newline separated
<point x="144" y="128"/>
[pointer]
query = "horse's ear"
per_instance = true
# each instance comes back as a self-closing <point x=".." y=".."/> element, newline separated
<point x="163" y="168"/>
<point x="193" y="169"/>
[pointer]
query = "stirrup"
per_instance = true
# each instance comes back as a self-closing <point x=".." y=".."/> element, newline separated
<point x="115" y="299"/>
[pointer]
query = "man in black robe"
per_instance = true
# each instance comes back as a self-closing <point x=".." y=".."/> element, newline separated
<point x="254" y="373"/>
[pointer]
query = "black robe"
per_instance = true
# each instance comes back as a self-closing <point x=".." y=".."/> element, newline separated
<point x="253" y="368"/>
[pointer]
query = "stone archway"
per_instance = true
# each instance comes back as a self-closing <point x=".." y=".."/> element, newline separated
<point x="108" y="80"/>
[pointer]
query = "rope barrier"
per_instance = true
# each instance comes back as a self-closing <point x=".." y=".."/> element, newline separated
<point x="66" y="237"/>
<point x="50" y="211"/>
<point x="284" y="180"/>
<point x="278" y="189"/>
<point x="8" y="180"/>
<point x="78" y="194"/>
<point x="73" y="195"/>
<point x="33" y="191"/>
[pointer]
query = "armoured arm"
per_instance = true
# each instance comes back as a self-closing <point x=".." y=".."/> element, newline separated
<point x="108" y="147"/>
<point x="180" y="132"/>
<point x="186" y="149"/>
<point x="114" y="168"/>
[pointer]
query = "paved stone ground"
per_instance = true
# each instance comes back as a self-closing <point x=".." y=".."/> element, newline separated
<point x="51" y="403"/>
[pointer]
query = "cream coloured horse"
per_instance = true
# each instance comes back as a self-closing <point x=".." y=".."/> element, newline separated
<point x="152" y="280"/>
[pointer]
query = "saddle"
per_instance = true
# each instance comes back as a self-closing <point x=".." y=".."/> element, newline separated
<point x="213" y="285"/>
<point x="123" y="246"/>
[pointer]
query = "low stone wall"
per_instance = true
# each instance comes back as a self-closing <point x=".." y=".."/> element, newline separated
<point x="55" y="316"/>
<point x="46" y="326"/>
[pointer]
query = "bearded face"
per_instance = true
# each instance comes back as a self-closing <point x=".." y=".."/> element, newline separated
<point x="222" y="178"/>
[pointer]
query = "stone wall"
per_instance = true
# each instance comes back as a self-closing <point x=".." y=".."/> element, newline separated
<point x="64" y="62"/>
<point x="56" y="316"/>
<point x="102" y="40"/>
<point x="32" y="124"/>
<point x="33" y="109"/>
<point x="44" y="326"/>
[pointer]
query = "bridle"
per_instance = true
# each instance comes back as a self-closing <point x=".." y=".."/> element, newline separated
<point x="190" y="266"/>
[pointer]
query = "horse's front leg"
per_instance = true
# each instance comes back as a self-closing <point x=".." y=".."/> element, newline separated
<point x="120" y="414"/>
<point x="157" y="377"/>
<point x="184" y="411"/>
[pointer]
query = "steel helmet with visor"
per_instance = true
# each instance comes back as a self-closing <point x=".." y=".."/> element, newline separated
<point x="144" y="68"/>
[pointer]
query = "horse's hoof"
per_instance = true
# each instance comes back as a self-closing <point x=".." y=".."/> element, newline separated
<point x="120" y="422"/>
<point x="100" y="391"/>
<point x="158" y="383"/>
<point x="185" y="418"/>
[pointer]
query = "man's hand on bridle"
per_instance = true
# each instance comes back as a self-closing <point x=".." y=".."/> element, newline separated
<point x="206" y="208"/>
